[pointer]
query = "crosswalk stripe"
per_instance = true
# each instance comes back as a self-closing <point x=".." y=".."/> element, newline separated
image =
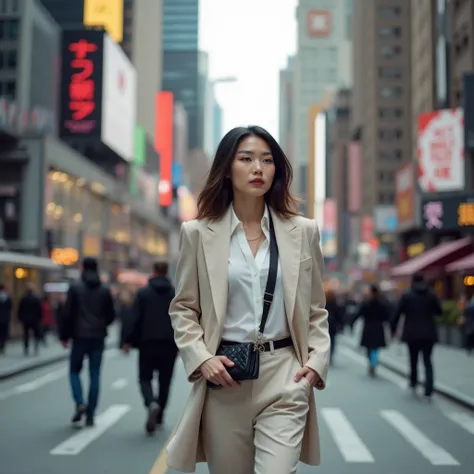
<point x="463" y="420"/>
<point x="78" y="442"/>
<point x="428" y="449"/>
<point x="350" y="445"/>
<point x="119" y="384"/>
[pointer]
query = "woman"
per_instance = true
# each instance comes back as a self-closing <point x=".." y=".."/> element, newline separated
<point x="376" y="314"/>
<point x="266" y="424"/>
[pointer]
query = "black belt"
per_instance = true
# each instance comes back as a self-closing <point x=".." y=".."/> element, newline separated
<point x="280" y="344"/>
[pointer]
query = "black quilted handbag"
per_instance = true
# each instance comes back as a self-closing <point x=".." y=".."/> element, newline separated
<point x="246" y="356"/>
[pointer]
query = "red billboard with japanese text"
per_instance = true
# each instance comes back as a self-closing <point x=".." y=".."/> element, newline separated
<point x="81" y="87"/>
<point x="164" y="144"/>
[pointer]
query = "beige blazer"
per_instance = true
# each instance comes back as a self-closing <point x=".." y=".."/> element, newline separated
<point x="199" y="309"/>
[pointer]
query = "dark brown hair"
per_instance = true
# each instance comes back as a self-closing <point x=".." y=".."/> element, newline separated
<point x="217" y="194"/>
<point x="160" y="268"/>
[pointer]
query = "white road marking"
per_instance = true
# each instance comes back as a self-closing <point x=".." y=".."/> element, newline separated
<point x="463" y="420"/>
<point x="119" y="384"/>
<point x="347" y="440"/>
<point x="33" y="384"/>
<point x="78" y="442"/>
<point x="428" y="449"/>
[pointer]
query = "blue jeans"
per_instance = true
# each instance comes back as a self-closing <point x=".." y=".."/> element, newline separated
<point x="93" y="349"/>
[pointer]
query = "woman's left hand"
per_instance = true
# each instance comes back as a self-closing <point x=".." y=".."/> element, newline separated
<point x="311" y="376"/>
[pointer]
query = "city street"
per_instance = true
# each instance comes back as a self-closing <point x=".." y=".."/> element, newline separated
<point x="367" y="426"/>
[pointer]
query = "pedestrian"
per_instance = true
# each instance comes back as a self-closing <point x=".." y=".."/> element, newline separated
<point x="376" y="314"/>
<point x="249" y="317"/>
<point x="469" y="325"/>
<point x="420" y="306"/>
<point x="89" y="310"/>
<point x="47" y="319"/>
<point x="124" y="314"/>
<point x="5" y="317"/>
<point x="30" y="313"/>
<point x="150" y="330"/>
<point x="335" y="318"/>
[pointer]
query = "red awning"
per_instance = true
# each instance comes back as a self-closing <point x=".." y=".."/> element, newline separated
<point x="438" y="256"/>
<point x="464" y="264"/>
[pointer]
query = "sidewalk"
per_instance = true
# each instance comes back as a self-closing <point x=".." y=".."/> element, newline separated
<point x="15" y="363"/>
<point x="453" y="368"/>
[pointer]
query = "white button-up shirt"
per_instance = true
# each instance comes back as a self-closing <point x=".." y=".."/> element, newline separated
<point x="246" y="288"/>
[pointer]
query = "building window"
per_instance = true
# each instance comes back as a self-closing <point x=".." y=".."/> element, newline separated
<point x="11" y="59"/>
<point x="390" y="32"/>
<point x="390" y="134"/>
<point x="390" y="113"/>
<point x="390" y="72"/>
<point x="390" y="52"/>
<point x="9" y="29"/>
<point x="391" y="155"/>
<point x="390" y="92"/>
<point x="390" y="12"/>
<point x="9" y="89"/>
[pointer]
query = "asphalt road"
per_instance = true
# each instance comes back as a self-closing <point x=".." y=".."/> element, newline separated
<point x="367" y="426"/>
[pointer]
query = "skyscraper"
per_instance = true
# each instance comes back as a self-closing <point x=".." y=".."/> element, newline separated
<point x="322" y="65"/>
<point x="180" y="25"/>
<point x="182" y="63"/>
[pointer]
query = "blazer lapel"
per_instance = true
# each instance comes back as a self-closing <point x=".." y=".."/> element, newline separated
<point x="216" y="243"/>
<point x="289" y="246"/>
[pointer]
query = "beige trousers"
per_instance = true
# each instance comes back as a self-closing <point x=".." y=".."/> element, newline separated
<point x="258" y="427"/>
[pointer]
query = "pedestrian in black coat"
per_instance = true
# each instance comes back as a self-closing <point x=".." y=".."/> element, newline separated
<point x="420" y="305"/>
<point x="376" y="315"/>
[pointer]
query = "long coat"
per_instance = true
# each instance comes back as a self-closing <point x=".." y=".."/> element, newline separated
<point x="199" y="308"/>
<point x="376" y="314"/>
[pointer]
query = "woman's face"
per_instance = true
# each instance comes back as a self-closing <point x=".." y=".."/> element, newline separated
<point x="253" y="169"/>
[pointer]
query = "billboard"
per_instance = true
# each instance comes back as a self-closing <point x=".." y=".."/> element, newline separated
<point x="119" y="100"/>
<point x="164" y="144"/>
<point x="318" y="23"/>
<point x="98" y="91"/>
<point x="441" y="151"/>
<point x="405" y="196"/>
<point x="329" y="229"/>
<point x="81" y="91"/>
<point x="106" y="13"/>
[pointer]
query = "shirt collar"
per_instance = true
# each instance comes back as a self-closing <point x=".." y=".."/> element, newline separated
<point x="265" y="221"/>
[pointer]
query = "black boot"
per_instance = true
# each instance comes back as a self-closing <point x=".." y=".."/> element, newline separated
<point x="80" y="412"/>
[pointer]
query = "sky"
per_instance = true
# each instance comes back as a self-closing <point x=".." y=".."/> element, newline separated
<point x="250" y="40"/>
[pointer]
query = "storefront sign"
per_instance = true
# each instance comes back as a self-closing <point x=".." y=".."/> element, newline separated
<point x="451" y="213"/>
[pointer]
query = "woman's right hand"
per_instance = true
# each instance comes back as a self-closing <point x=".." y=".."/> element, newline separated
<point x="214" y="371"/>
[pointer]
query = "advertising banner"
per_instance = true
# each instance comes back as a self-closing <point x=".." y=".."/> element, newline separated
<point x="119" y="100"/>
<point x="318" y="23"/>
<point x="81" y="84"/>
<point x="468" y="107"/>
<point x="329" y="229"/>
<point x="405" y="196"/>
<point x="354" y="156"/>
<point x="98" y="91"/>
<point x="448" y="213"/>
<point x="385" y="219"/>
<point x="106" y="13"/>
<point x="441" y="164"/>
<point x="164" y="144"/>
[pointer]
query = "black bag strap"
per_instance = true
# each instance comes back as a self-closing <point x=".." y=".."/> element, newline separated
<point x="272" y="276"/>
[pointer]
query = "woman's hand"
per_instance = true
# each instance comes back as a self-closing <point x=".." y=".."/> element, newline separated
<point x="310" y="375"/>
<point x="214" y="370"/>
